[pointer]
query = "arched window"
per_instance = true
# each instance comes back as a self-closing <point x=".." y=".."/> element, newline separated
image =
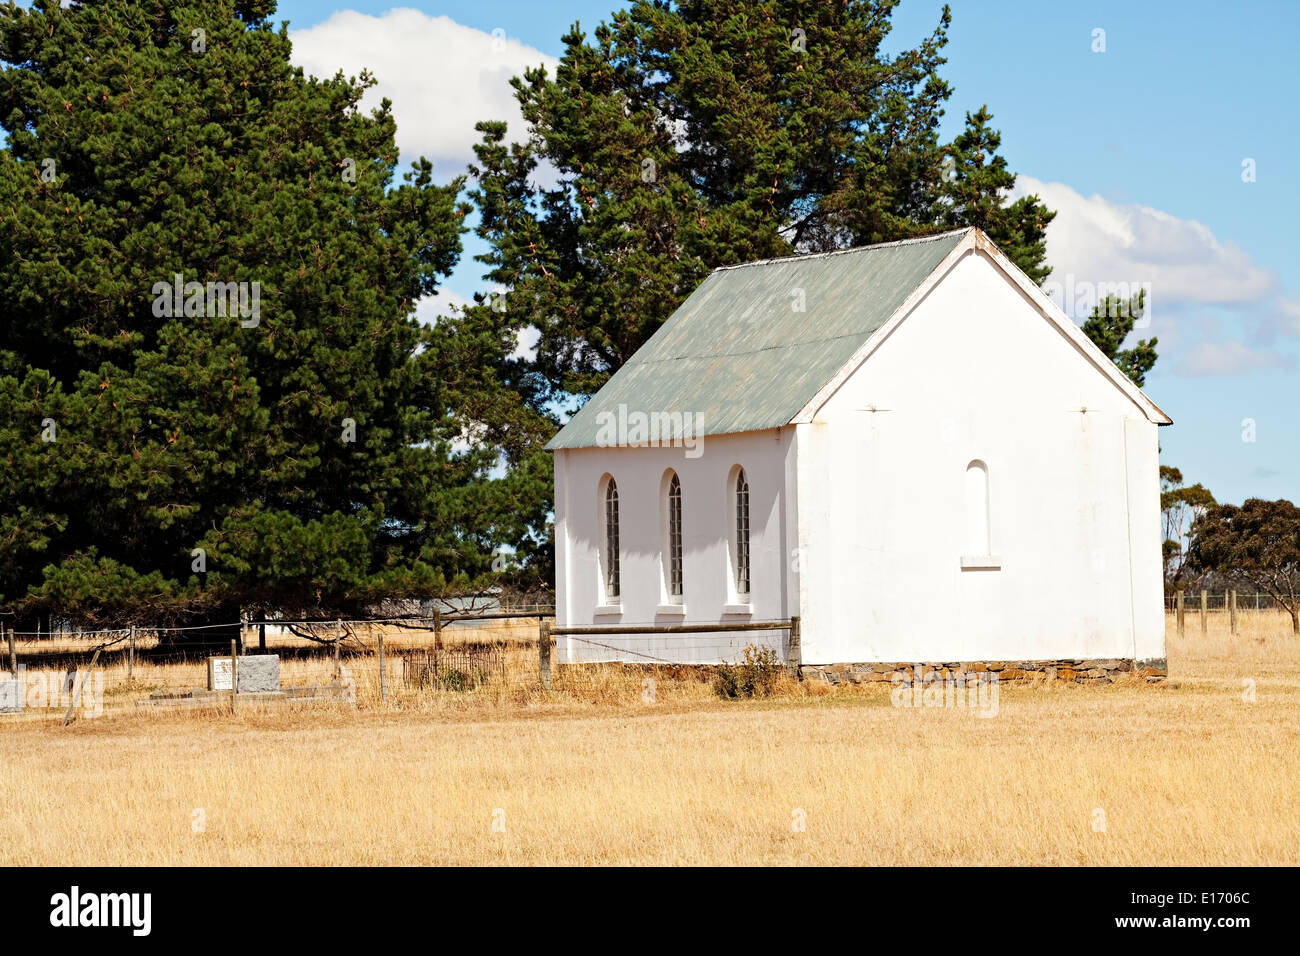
<point x="673" y="555"/>
<point x="977" y="509"/>
<point x="611" y="543"/>
<point x="742" y="535"/>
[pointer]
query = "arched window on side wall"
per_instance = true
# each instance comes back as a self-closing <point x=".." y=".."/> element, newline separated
<point x="742" y="535"/>
<point x="610" y="555"/>
<point x="673" y="557"/>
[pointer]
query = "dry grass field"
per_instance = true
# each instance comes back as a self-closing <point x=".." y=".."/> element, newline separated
<point x="591" y="772"/>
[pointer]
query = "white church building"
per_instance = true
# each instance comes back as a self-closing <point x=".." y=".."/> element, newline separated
<point x="908" y="446"/>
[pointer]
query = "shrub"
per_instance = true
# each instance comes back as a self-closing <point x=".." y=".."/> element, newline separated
<point x="451" y="678"/>
<point x="753" y="676"/>
<point x="454" y="678"/>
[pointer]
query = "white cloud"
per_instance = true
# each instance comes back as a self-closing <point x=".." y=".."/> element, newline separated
<point x="526" y="341"/>
<point x="1230" y="358"/>
<point x="442" y="302"/>
<point x="1203" y="292"/>
<point x="446" y="302"/>
<point x="441" y="76"/>
<point x="1288" y="316"/>
<point x="1097" y="240"/>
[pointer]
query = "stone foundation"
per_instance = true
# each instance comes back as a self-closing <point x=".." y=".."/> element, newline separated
<point x="1097" y="670"/>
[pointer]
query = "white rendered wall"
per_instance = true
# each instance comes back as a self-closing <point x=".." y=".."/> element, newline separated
<point x="977" y="373"/>
<point x="707" y="517"/>
<point x="1145" y="539"/>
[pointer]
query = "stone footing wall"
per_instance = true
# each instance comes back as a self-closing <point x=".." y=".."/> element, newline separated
<point x="1102" y="670"/>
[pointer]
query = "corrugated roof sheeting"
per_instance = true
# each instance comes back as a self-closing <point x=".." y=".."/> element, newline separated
<point x="738" y="354"/>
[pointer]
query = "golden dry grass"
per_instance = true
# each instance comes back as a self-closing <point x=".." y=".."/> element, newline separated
<point x="1188" y="772"/>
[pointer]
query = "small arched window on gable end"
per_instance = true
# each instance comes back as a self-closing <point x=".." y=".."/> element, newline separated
<point x="978" y="552"/>
<point x="609" y="545"/>
<point x="740" y="532"/>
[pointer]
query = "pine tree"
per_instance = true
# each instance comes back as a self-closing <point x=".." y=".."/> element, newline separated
<point x="976" y="183"/>
<point x="1109" y="325"/>
<point x="683" y="136"/>
<point x="299" y="458"/>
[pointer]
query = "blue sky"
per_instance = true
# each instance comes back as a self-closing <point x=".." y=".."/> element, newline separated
<point x="1140" y="148"/>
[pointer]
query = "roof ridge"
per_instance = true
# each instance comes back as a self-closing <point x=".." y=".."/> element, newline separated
<point x="841" y="252"/>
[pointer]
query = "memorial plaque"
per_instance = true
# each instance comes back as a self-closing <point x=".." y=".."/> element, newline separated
<point x="11" y="696"/>
<point x="259" y="673"/>
<point x="220" y="673"/>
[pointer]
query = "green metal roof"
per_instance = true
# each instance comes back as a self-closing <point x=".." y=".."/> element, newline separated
<point x="737" y="353"/>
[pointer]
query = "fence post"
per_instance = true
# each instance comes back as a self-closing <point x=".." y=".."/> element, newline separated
<point x="77" y="691"/>
<point x="1232" y="610"/>
<point x="13" y="654"/>
<point x="383" y="682"/>
<point x="261" y="634"/>
<point x="795" y="656"/>
<point x="437" y="639"/>
<point x="544" y="653"/>
<point x="338" y="640"/>
<point x="130" y="655"/>
<point x="1179" y="615"/>
<point x="234" y="674"/>
<point x="1205" y="608"/>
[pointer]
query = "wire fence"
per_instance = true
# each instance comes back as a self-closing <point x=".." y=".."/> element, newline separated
<point x="90" y="669"/>
<point x="406" y="661"/>
<point x="1220" y="600"/>
<point x="416" y="660"/>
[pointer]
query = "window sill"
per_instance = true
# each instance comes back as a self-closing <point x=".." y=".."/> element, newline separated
<point x="606" y="609"/>
<point x="738" y="609"/>
<point x="671" y="610"/>
<point x="985" y="562"/>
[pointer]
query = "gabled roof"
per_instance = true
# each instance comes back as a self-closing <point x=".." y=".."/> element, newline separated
<point x="741" y="354"/>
